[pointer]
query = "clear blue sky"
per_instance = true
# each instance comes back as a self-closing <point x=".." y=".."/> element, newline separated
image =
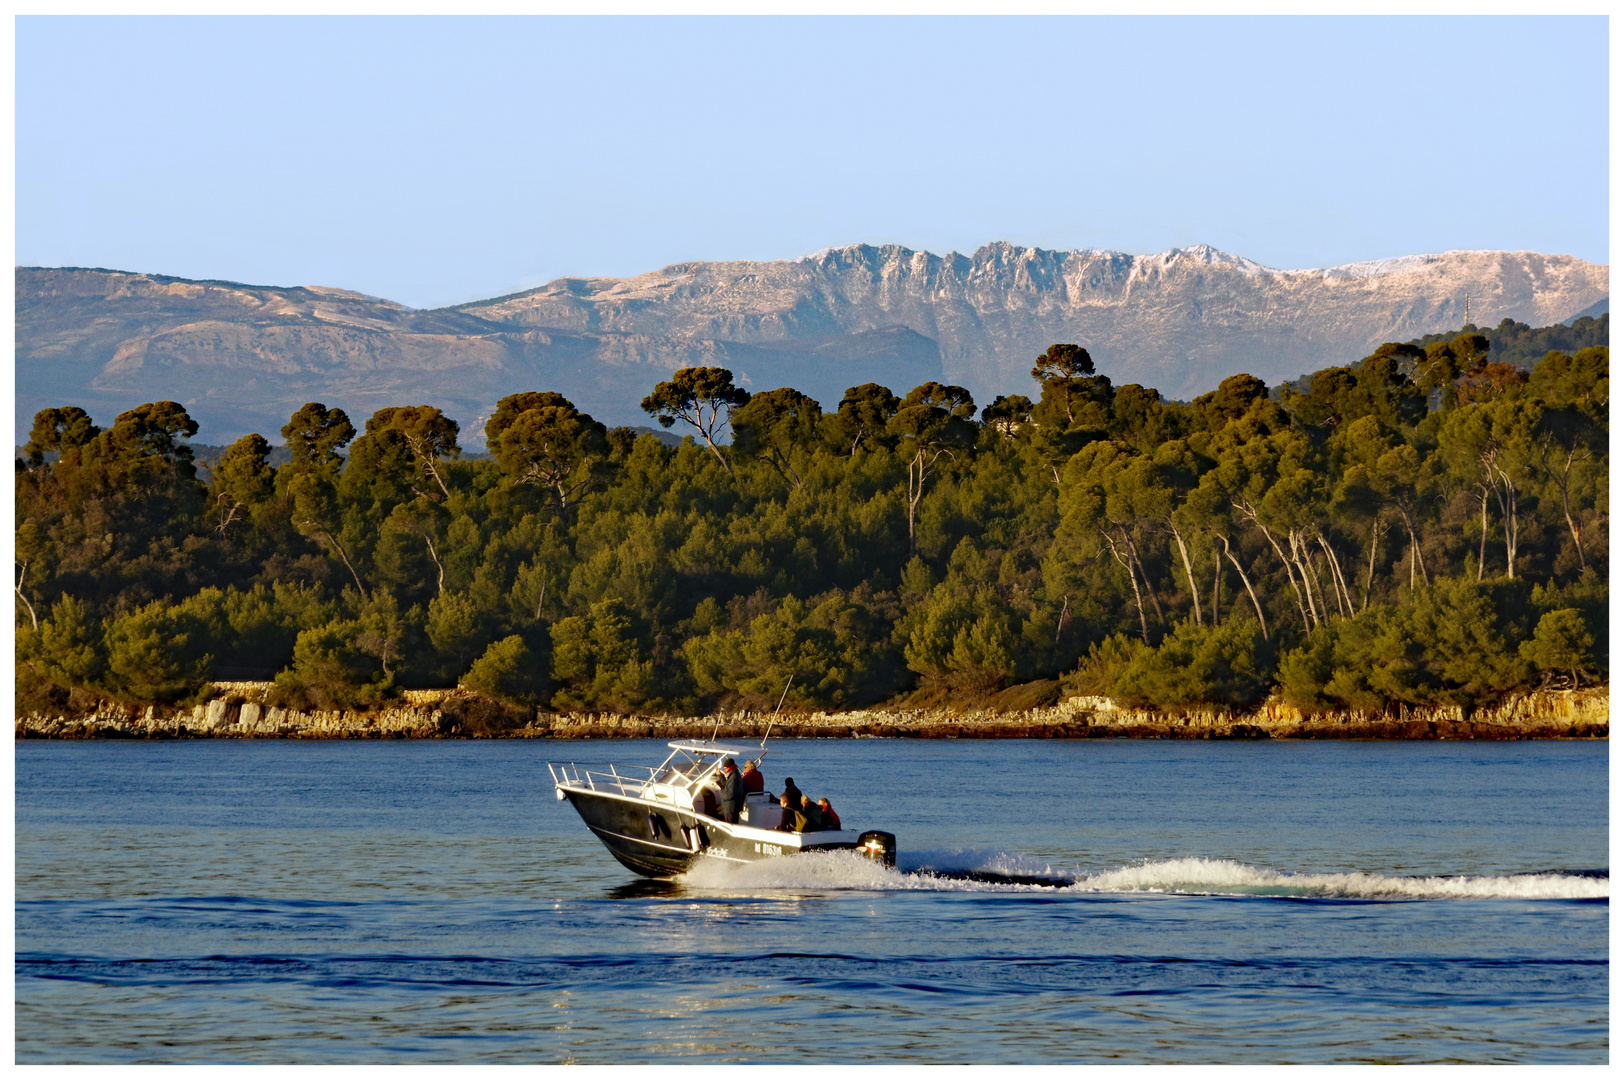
<point x="438" y="160"/>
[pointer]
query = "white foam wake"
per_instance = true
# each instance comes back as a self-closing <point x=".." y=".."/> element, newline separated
<point x="923" y="871"/>
<point x="1227" y="877"/>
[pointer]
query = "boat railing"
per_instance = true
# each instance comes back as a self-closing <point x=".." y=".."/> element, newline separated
<point x="602" y="776"/>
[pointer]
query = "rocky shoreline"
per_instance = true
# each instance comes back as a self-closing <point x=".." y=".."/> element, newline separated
<point x="239" y="712"/>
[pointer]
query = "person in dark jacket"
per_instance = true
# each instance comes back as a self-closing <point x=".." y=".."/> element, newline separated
<point x="792" y="791"/>
<point x="731" y="791"/>
<point x="814" y="816"/>
<point x="794" y="820"/>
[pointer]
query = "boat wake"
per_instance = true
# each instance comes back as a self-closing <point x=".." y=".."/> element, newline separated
<point x="1225" y="877"/>
<point x="996" y="871"/>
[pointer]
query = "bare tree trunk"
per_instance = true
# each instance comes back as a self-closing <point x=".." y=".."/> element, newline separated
<point x="1060" y="623"/>
<point x="1139" y="602"/>
<point x="790" y="474"/>
<point x="1184" y="553"/>
<point x="435" y="555"/>
<point x="33" y="616"/>
<point x="1415" y="548"/>
<point x="717" y="450"/>
<point x="1508" y="507"/>
<point x="1344" y="602"/>
<point x="916" y="491"/>
<point x="1562" y="485"/>
<point x="1370" y="572"/>
<point x="342" y="554"/>
<point x="1305" y="564"/>
<point x="427" y="455"/>
<point x="1127" y="564"/>
<point x="1133" y="549"/>
<point x="1217" y="581"/>
<point x="1302" y="608"/>
<point x="1309" y="583"/>
<point x="438" y="479"/>
<point x="1482" y="528"/>
<point x="229" y="516"/>
<point x="1247" y="582"/>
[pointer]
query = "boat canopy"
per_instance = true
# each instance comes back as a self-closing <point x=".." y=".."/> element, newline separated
<point x="715" y="749"/>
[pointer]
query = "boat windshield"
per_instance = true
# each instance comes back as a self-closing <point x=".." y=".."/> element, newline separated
<point x="691" y="763"/>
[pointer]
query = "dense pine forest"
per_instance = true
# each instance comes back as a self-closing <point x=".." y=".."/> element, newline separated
<point x="1428" y="525"/>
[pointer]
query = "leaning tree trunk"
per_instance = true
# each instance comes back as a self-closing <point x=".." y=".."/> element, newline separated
<point x="1138" y="601"/>
<point x="1302" y="608"/>
<point x="916" y="491"/>
<point x="1311" y="583"/>
<point x="1263" y="623"/>
<point x="1508" y="508"/>
<point x="1217" y="582"/>
<point x="1184" y="553"/>
<point x="33" y="617"/>
<point x="1339" y="583"/>
<point x="1370" y="571"/>
<point x="1416" y="558"/>
<point x="1567" y="512"/>
<point x="1133" y="549"/>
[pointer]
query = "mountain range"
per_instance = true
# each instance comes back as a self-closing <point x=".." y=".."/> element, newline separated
<point x="243" y="357"/>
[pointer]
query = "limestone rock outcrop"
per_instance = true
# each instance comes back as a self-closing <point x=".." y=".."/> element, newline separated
<point x="1545" y="714"/>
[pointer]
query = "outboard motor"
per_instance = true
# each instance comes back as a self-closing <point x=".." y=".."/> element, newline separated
<point x="879" y="846"/>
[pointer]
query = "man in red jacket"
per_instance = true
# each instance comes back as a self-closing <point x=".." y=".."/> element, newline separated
<point x="754" y="782"/>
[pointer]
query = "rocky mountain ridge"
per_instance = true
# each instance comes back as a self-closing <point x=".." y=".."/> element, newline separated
<point x="243" y="357"/>
<point x="1180" y="320"/>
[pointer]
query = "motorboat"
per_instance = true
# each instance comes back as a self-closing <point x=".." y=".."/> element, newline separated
<point x="659" y="821"/>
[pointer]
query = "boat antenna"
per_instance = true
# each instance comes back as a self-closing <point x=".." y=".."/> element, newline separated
<point x="781" y="698"/>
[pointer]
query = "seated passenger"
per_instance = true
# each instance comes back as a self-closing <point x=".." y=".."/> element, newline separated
<point x="830" y="818"/>
<point x="794" y="820"/>
<point x="754" y="782"/>
<point x="813" y="815"/>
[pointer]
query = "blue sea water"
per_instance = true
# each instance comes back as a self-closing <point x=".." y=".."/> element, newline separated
<point x="1265" y="902"/>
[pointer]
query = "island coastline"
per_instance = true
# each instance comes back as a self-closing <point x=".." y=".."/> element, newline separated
<point x="438" y="714"/>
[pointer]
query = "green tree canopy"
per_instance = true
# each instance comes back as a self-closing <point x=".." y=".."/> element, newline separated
<point x="701" y="397"/>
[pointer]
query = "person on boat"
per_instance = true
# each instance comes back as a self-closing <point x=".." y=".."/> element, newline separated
<point x="794" y="820"/>
<point x="754" y="782"/>
<point x="730" y="791"/>
<point x="830" y="818"/>
<point x="814" y="816"/>
<point x="792" y="791"/>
